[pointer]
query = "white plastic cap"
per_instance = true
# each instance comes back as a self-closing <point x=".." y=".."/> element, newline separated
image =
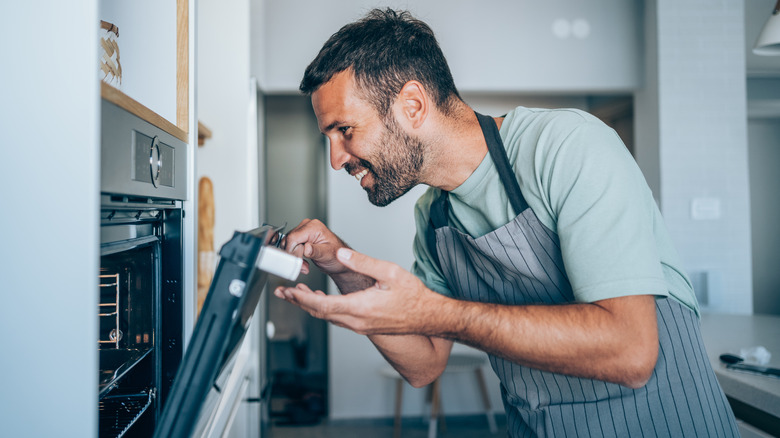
<point x="277" y="262"/>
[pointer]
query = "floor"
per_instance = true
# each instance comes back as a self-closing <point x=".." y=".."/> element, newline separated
<point x="475" y="426"/>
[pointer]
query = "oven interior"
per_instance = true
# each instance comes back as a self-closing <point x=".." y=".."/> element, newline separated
<point x="135" y="295"/>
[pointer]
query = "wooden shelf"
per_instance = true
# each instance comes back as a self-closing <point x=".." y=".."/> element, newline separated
<point x="204" y="133"/>
<point x="126" y="102"/>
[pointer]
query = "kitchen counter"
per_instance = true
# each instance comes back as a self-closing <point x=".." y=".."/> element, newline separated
<point x="760" y="395"/>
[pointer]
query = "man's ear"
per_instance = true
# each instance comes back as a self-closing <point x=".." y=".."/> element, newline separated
<point x="413" y="103"/>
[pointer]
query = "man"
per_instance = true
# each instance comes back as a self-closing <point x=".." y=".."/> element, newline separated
<point x="538" y="242"/>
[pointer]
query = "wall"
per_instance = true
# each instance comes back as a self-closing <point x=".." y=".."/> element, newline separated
<point x="529" y="46"/>
<point x="224" y="94"/>
<point x="154" y="87"/>
<point x="691" y="118"/>
<point x="49" y="187"/>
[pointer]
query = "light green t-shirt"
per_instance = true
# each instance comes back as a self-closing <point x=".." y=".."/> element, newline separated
<point x="582" y="183"/>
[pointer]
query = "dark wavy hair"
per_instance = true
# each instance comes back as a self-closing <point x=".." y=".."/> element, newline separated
<point x="385" y="49"/>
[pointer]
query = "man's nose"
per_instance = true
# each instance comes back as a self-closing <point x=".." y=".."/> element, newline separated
<point x="339" y="157"/>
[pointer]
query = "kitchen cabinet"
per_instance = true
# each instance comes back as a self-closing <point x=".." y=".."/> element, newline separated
<point x="564" y="46"/>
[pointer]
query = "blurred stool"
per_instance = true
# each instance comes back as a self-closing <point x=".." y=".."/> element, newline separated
<point x="457" y="363"/>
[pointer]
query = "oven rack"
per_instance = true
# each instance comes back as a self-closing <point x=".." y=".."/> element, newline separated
<point x="109" y="287"/>
<point x="114" y="365"/>
<point x="119" y="412"/>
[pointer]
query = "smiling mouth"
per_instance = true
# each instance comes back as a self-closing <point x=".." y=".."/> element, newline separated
<point x="359" y="176"/>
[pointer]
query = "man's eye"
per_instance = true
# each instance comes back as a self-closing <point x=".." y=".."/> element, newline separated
<point x="345" y="129"/>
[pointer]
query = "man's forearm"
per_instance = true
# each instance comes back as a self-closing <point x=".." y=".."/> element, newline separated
<point x="614" y="340"/>
<point x="420" y="359"/>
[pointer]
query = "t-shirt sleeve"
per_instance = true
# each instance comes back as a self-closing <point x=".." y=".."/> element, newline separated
<point x="599" y="200"/>
<point x="425" y="267"/>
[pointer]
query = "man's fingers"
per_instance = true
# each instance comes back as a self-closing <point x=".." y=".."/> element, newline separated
<point x="363" y="264"/>
<point x="316" y="303"/>
<point x="305" y="267"/>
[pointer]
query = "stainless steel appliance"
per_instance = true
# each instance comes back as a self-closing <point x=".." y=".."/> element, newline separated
<point x="140" y="312"/>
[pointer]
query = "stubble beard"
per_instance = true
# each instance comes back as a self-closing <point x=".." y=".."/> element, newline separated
<point x="396" y="168"/>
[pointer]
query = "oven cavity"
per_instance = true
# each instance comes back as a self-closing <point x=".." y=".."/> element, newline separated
<point x="129" y="317"/>
<point x="127" y="305"/>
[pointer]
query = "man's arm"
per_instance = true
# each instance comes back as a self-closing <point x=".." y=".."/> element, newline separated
<point x="420" y="359"/>
<point x="615" y="340"/>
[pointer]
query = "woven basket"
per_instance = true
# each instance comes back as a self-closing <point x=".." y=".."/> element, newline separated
<point x="110" y="67"/>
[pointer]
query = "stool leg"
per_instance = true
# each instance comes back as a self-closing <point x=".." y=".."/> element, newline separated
<point x="486" y="400"/>
<point x="399" y="393"/>
<point x="434" y="410"/>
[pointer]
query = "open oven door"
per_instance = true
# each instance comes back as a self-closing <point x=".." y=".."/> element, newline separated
<point x="214" y="361"/>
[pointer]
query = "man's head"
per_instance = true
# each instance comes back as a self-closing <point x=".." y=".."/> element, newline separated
<point x="367" y="75"/>
<point x="386" y="160"/>
<point x="385" y="50"/>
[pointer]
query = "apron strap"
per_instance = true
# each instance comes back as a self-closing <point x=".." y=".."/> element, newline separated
<point x="437" y="219"/>
<point x="440" y="207"/>
<point x="498" y="154"/>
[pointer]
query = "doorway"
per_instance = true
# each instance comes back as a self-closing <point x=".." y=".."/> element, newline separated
<point x="763" y="158"/>
<point x="297" y="359"/>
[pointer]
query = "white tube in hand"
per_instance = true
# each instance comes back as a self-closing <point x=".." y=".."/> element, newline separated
<point x="277" y="262"/>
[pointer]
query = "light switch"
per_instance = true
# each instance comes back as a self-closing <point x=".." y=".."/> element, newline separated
<point x="705" y="209"/>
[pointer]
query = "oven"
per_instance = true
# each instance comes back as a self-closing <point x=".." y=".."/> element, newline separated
<point x="140" y="308"/>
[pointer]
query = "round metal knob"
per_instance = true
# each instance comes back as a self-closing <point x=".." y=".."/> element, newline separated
<point x="155" y="161"/>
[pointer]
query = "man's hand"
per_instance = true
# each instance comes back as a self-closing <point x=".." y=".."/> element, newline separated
<point x="313" y="240"/>
<point x="396" y="303"/>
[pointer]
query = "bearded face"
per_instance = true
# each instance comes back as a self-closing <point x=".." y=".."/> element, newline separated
<point x="395" y="165"/>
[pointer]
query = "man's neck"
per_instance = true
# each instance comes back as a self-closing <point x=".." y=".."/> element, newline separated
<point x="456" y="148"/>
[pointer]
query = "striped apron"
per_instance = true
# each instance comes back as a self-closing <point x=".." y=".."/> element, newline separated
<point x="520" y="263"/>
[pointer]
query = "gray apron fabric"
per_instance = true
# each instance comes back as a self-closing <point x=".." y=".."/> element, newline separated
<point x="520" y="263"/>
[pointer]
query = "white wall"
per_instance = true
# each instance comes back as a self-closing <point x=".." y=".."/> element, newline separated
<point x="49" y="192"/>
<point x="692" y="119"/>
<point x="508" y="45"/>
<point x="224" y="97"/>
<point x="148" y="76"/>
